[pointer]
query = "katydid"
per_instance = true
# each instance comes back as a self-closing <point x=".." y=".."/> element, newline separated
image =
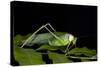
<point x="52" y="38"/>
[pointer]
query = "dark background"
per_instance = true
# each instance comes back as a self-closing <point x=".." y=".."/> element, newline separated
<point x="79" y="20"/>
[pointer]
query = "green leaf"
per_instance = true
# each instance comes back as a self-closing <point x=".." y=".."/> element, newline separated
<point x="84" y="50"/>
<point x="58" y="58"/>
<point x="27" y="56"/>
<point x="88" y="52"/>
<point x="18" y="39"/>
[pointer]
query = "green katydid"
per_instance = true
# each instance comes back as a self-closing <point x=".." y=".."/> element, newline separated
<point x="52" y="38"/>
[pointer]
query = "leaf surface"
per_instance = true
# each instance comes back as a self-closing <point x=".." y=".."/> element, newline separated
<point x="58" y="58"/>
<point x="27" y="56"/>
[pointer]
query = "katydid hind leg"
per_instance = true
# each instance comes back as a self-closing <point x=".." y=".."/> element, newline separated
<point x="32" y="36"/>
<point x="58" y="38"/>
<point x="51" y="27"/>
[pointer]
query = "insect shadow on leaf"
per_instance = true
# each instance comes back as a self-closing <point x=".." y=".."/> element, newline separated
<point x="45" y="57"/>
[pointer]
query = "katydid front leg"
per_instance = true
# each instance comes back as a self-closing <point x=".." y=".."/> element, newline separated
<point x="68" y="48"/>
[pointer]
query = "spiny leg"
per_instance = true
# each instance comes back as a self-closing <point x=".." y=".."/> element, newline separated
<point x="31" y="37"/>
<point x="51" y="27"/>
<point x="54" y="35"/>
<point x="67" y="49"/>
<point x="73" y="43"/>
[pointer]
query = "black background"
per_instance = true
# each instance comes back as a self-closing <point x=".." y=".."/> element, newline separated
<point x="79" y="20"/>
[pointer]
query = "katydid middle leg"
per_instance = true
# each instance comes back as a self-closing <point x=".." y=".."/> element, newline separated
<point x="73" y="43"/>
<point x="69" y="47"/>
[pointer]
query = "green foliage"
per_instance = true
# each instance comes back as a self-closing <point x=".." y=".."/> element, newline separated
<point x="18" y="39"/>
<point x="29" y="56"/>
<point x="58" y="58"/>
<point x="84" y="50"/>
